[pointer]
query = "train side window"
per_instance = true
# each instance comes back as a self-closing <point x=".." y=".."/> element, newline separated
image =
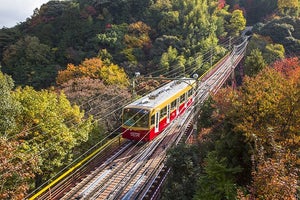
<point x="182" y="98"/>
<point x="163" y="112"/>
<point x="173" y="105"/>
<point x="152" y="119"/>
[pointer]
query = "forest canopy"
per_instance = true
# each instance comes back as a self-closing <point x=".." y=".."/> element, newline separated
<point x="72" y="62"/>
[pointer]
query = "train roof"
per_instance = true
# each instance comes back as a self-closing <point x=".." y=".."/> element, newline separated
<point x="157" y="97"/>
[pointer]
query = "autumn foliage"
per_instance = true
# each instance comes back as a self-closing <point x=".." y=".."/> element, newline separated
<point x="96" y="69"/>
<point x="289" y="68"/>
<point x="138" y="35"/>
<point x="97" y="99"/>
<point x="275" y="178"/>
<point x="266" y="110"/>
<point x="16" y="169"/>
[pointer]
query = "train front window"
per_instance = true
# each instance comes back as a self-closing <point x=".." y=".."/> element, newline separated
<point x="136" y="117"/>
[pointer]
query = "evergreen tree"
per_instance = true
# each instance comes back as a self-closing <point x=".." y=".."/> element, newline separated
<point x="30" y="62"/>
<point x="254" y="63"/>
<point x="217" y="182"/>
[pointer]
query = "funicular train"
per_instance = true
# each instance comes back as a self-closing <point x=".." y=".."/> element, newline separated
<point x="148" y="116"/>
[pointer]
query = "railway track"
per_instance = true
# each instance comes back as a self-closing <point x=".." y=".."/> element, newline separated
<point x="58" y="190"/>
<point x="136" y="171"/>
<point x="125" y="175"/>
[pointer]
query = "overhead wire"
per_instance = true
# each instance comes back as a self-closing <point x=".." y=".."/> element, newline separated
<point x="93" y="98"/>
<point x="98" y="119"/>
<point x="95" y="120"/>
<point x="101" y="140"/>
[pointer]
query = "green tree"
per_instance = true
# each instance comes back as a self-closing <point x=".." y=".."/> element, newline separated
<point x="258" y="10"/>
<point x="30" y="63"/>
<point x="237" y="22"/>
<point x="8" y="36"/>
<point x="113" y="40"/>
<point x="283" y="31"/>
<point x="172" y="63"/>
<point x="50" y="128"/>
<point x="254" y="63"/>
<point x="273" y="52"/>
<point x="9" y="107"/>
<point x="218" y="180"/>
<point x="169" y="21"/>
<point x="205" y="119"/>
<point x="184" y="164"/>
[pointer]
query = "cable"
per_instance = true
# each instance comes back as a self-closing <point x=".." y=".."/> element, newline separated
<point x="98" y="143"/>
<point x="86" y="102"/>
<point x="94" y="121"/>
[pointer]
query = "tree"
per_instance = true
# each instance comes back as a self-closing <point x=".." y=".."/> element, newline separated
<point x="265" y="111"/>
<point x="172" y="63"/>
<point x="49" y="127"/>
<point x="287" y="67"/>
<point x="145" y="86"/>
<point x="258" y="10"/>
<point x="137" y="42"/>
<point x="94" y="68"/>
<point x="8" y="36"/>
<point x="9" y="107"/>
<point x="184" y="164"/>
<point x="17" y="169"/>
<point x="138" y="35"/>
<point x="30" y="62"/>
<point x="254" y="63"/>
<point x="97" y="99"/>
<point x="273" y="52"/>
<point x="169" y="21"/>
<point x="283" y="31"/>
<point x="113" y="39"/>
<point x="269" y="109"/>
<point x="237" y="22"/>
<point x="275" y="178"/>
<point x="289" y="7"/>
<point x="218" y="180"/>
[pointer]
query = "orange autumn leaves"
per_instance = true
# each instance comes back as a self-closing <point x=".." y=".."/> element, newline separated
<point x="266" y="109"/>
<point x="94" y="68"/>
<point x="267" y="106"/>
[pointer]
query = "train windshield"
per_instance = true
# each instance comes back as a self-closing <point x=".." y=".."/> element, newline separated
<point x="136" y="117"/>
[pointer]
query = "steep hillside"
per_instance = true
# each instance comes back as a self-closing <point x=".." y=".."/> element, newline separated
<point x="132" y="34"/>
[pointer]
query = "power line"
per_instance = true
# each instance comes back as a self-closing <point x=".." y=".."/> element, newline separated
<point x="90" y="148"/>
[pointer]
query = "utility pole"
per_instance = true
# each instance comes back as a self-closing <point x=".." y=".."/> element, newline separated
<point x="136" y="75"/>
<point x="211" y="56"/>
<point x="196" y="101"/>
